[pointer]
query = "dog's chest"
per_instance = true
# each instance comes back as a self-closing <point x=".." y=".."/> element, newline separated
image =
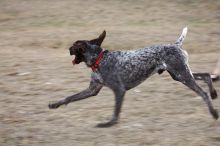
<point x="97" y="77"/>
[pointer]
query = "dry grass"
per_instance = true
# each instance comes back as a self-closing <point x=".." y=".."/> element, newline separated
<point x="35" y="69"/>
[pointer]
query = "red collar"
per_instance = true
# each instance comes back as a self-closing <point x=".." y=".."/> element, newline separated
<point x="96" y="64"/>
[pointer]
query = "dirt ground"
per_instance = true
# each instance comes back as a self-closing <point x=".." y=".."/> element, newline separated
<point x="35" y="69"/>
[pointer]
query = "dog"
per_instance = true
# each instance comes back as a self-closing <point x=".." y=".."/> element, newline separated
<point x="124" y="70"/>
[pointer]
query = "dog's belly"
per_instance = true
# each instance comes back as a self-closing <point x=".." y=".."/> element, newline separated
<point x="134" y="77"/>
<point x="135" y="81"/>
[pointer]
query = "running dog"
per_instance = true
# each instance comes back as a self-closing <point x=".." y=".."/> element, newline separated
<point x="123" y="70"/>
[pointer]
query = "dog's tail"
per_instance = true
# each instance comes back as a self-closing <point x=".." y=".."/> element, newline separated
<point x="180" y="40"/>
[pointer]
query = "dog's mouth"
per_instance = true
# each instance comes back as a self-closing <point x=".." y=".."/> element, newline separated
<point x="75" y="60"/>
<point x="78" y="55"/>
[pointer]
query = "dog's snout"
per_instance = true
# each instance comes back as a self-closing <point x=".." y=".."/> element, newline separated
<point x="71" y="51"/>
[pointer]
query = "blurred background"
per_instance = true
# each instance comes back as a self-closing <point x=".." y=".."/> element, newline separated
<point x="36" y="69"/>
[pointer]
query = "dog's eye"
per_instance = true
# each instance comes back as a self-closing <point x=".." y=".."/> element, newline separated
<point x="81" y="49"/>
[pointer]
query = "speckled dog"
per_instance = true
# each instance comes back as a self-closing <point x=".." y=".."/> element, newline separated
<point x="121" y="71"/>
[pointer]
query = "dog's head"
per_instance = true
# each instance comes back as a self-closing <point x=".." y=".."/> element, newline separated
<point x="87" y="50"/>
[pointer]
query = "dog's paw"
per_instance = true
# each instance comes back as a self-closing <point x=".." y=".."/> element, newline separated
<point x="106" y="125"/>
<point x="53" y="105"/>
<point x="215" y="78"/>
<point x="215" y="114"/>
<point x="214" y="94"/>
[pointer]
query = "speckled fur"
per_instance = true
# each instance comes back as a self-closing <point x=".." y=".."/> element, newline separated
<point x="133" y="67"/>
<point x="123" y="70"/>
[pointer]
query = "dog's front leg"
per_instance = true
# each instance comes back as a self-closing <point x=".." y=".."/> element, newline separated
<point x="119" y="96"/>
<point x="93" y="90"/>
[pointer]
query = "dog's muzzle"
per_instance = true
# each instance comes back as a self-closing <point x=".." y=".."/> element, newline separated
<point x="77" y="54"/>
<point x="71" y="52"/>
<point x="76" y="60"/>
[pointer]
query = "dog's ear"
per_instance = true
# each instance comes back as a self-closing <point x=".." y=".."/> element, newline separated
<point x="98" y="41"/>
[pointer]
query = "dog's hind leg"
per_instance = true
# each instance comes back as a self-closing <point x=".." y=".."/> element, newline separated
<point x="93" y="90"/>
<point x="181" y="73"/>
<point x="207" y="79"/>
<point x="192" y="85"/>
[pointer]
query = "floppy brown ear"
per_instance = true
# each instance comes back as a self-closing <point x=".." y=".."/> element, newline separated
<point x="98" y="41"/>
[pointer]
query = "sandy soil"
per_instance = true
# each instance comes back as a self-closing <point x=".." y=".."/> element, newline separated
<point x="36" y="69"/>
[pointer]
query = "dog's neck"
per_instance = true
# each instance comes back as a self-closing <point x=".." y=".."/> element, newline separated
<point x="95" y="66"/>
<point x="91" y="57"/>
